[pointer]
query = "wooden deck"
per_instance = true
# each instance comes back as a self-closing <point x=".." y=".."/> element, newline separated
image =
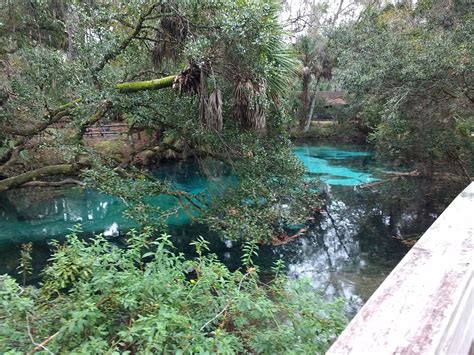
<point x="426" y="304"/>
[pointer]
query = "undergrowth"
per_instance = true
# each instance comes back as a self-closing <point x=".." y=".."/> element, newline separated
<point x="146" y="298"/>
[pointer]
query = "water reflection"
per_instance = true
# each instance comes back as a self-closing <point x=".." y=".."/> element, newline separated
<point x="337" y="253"/>
<point x="360" y="237"/>
<point x="40" y="214"/>
<point x="348" y="251"/>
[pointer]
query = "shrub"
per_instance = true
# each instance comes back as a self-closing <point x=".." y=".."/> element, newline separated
<point x="98" y="298"/>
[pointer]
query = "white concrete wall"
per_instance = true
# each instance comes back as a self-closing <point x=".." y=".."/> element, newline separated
<point x="426" y="304"/>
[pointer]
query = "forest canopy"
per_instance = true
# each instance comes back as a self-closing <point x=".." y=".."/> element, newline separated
<point x="219" y="71"/>
<point x="409" y="71"/>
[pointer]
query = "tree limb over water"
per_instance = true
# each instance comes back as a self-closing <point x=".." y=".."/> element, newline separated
<point x="52" y="170"/>
<point x="52" y="183"/>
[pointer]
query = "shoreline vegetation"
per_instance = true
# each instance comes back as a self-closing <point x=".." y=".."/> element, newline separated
<point x="143" y="298"/>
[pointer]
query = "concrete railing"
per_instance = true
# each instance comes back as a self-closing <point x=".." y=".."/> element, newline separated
<point x="426" y="304"/>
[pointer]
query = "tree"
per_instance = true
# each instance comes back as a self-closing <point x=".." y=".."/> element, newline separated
<point x="229" y="68"/>
<point x="317" y="65"/>
<point x="409" y="69"/>
<point x="312" y="25"/>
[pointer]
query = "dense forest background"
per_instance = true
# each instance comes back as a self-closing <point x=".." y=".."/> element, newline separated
<point x="407" y="70"/>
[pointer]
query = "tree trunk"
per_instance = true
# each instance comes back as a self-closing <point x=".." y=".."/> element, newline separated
<point x="154" y="84"/>
<point x="15" y="181"/>
<point x="52" y="183"/>
<point x="310" y="114"/>
<point x="305" y="97"/>
<point x="311" y="110"/>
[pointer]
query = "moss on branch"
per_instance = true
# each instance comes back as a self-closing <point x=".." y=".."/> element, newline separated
<point x="154" y="84"/>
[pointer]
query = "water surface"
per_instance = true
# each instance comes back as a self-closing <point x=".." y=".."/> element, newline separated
<point x="348" y="250"/>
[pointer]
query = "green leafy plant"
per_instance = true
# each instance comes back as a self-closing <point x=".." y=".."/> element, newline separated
<point x="25" y="267"/>
<point x="145" y="298"/>
<point x="407" y="68"/>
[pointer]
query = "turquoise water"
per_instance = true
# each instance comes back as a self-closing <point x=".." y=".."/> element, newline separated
<point x="43" y="214"/>
<point x="328" y="164"/>
<point x="347" y="251"/>
<point x="39" y="214"/>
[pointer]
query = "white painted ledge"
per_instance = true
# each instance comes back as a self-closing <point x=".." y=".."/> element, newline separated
<point x="426" y="304"/>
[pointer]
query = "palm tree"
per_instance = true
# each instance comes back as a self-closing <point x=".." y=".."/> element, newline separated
<point x="316" y="65"/>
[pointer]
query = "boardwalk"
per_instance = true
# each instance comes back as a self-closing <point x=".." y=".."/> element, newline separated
<point x="107" y="131"/>
<point x="426" y="305"/>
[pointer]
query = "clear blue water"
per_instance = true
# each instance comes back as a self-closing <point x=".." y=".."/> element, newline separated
<point x="43" y="214"/>
<point x="328" y="164"/>
<point x="347" y="251"/>
<point x="39" y="214"/>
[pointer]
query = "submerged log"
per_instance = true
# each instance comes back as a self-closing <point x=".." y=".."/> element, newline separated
<point x="399" y="173"/>
<point x="395" y="176"/>
<point x="377" y="183"/>
<point x="284" y="239"/>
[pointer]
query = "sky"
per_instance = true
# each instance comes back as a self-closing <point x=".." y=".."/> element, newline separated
<point x="302" y="8"/>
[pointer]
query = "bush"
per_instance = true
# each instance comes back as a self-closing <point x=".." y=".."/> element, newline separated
<point x="115" y="149"/>
<point x="96" y="297"/>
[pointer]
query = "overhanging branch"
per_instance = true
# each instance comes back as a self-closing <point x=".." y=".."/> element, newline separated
<point x="51" y="170"/>
<point x="116" y="51"/>
<point x="52" y="183"/>
<point x="154" y="84"/>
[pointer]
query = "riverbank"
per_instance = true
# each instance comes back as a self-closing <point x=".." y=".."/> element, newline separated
<point x="332" y="131"/>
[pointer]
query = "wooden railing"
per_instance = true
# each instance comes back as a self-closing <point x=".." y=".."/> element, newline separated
<point x="426" y="304"/>
<point x="107" y="130"/>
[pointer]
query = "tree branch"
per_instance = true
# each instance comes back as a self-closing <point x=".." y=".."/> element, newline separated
<point x="53" y="117"/>
<point x="51" y="170"/>
<point x="101" y="111"/>
<point x="115" y="52"/>
<point x="52" y="183"/>
<point x="154" y="84"/>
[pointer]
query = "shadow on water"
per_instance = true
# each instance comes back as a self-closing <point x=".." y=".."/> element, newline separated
<point x="348" y="251"/>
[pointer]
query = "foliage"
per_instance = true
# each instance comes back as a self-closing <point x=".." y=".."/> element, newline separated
<point x="270" y="193"/>
<point x="410" y="71"/>
<point x="61" y="61"/>
<point x="266" y="194"/>
<point x="313" y="24"/>
<point x="113" y="149"/>
<point x="145" y="298"/>
<point x="232" y="50"/>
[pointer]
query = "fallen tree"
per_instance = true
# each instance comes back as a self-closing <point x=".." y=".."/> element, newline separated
<point x="18" y="180"/>
<point x="52" y="183"/>
<point x="395" y="176"/>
